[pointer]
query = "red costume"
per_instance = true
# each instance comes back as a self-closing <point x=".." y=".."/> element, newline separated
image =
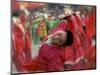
<point x="48" y="53"/>
<point x="28" y="47"/>
<point x="90" y="55"/>
<point x="90" y="24"/>
<point x="47" y="56"/>
<point x="74" y="53"/>
<point x="18" y="47"/>
<point x="21" y="46"/>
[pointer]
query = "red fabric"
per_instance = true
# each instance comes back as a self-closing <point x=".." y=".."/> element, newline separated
<point x="22" y="18"/>
<point x="90" y="55"/>
<point x="83" y="18"/>
<point x="18" y="48"/>
<point x="34" y="66"/>
<point x="71" y="23"/>
<point x="61" y="26"/>
<point x="19" y="37"/>
<point x="45" y="61"/>
<point x="47" y="56"/>
<point x="15" y="5"/>
<point x="28" y="47"/>
<point x="69" y="54"/>
<point x="90" y="52"/>
<point x="21" y="48"/>
<point x="74" y="52"/>
<point x="90" y="26"/>
<point x="32" y="5"/>
<point x="30" y="20"/>
<point x="85" y="42"/>
<point x="79" y="22"/>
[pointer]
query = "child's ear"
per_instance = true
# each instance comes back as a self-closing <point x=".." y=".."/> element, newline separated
<point x="69" y="39"/>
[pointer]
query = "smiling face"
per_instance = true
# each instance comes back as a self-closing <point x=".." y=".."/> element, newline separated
<point x="59" y="38"/>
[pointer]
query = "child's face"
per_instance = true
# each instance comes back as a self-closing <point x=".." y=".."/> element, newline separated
<point x="59" y="38"/>
<point x="68" y="11"/>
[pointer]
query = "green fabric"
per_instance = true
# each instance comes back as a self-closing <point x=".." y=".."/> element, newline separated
<point x="35" y="36"/>
<point x="51" y="23"/>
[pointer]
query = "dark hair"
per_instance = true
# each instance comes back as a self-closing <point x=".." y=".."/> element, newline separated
<point x="16" y="14"/>
<point x="66" y="17"/>
<point x="69" y="39"/>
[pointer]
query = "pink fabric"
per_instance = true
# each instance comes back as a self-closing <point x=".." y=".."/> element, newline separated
<point x="83" y="18"/>
<point x="52" y="57"/>
<point x="61" y="26"/>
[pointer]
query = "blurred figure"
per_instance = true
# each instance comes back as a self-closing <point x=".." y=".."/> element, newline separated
<point x="18" y="36"/>
<point x="21" y="42"/>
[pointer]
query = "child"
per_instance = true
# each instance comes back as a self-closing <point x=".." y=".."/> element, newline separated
<point x="51" y="56"/>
